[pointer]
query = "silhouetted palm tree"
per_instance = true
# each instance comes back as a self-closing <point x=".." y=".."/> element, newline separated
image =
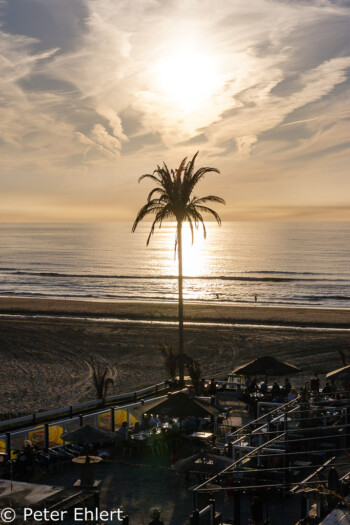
<point x="103" y="376"/>
<point x="173" y="198"/>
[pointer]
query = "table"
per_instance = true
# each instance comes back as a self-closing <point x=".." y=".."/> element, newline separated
<point x="202" y="435"/>
<point x="145" y="434"/>
<point x="138" y="437"/>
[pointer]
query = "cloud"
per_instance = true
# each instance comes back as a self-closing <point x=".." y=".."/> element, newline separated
<point x="256" y="86"/>
<point x="116" y="66"/>
<point x="106" y="141"/>
<point x="269" y="110"/>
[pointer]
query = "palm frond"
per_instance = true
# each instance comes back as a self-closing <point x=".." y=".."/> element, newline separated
<point x="190" y="166"/>
<point x="208" y="198"/>
<point x="205" y="209"/>
<point x="200" y="173"/>
<point x="150" y="176"/>
<point x="153" y="192"/>
<point x="198" y="219"/>
<point x="164" y="213"/>
<point x="172" y="197"/>
<point x="150" y="207"/>
<point x="189" y="220"/>
<point x="181" y="168"/>
<point x="102" y="375"/>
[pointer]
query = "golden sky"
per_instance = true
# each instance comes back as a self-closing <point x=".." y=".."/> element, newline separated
<point x="94" y="93"/>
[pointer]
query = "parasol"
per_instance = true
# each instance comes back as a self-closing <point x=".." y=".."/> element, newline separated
<point x="268" y="366"/>
<point x="88" y="434"/>
<point x="181" y="404"/>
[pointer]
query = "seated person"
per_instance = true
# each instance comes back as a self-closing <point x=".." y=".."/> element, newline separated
<point x="201" y="423"/>
<point x="327" y="389"/>
<point x="153" y="421"/>
<point x="292" y="394"/>
<point x="212" y="387"/>
<point x="122" y="432"/>
<point x="155" y="516"/>
<point x="315" y="384"/>
<point x="136" y="429"/>
<point x="175" y="425"/>
<point x="287" y="387"/>
<point x="228" y="435"/>
<point x="333" y="385"/>
<point x="254" y="385"/>
<point x="190" y="425"/>
<point x="276" y="390"/>
<point x="145" y="424"/>
<point x="264" y="387"/>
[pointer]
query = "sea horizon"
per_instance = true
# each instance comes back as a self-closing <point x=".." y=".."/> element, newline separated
<point x="243" y="263"/>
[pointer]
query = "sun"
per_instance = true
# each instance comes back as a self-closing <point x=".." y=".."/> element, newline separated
<point x="187" y="78"/>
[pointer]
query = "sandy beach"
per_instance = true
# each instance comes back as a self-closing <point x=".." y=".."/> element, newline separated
<point x="209" y="312"/>
<point x="43" y="357"/>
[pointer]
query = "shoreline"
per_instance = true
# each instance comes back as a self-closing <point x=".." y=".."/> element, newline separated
<point x="44" y="352"/>
<point x="167" y="311"/>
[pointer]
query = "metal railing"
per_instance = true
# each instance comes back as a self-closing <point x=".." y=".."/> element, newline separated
<point x="272" y="432"/>
<point x="81" y="408"/>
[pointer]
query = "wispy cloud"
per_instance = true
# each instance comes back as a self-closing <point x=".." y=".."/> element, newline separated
<point x="114" y="94"/>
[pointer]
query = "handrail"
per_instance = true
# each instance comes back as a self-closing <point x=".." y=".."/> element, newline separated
<point x="255" y="449"/>
<point x="313" y="474"/>
<point x="255" y="421"/>
<point x="81" y="408"/>
<point x="234" y="464"/>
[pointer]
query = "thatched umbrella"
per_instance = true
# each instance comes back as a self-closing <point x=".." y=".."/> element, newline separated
<point x="267" y="366"/>
<point x="204" y="463"/>
<point x="88" y="434"/>
<point x="180" y="405"/>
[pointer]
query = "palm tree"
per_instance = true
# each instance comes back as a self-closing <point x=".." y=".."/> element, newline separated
<point x="103" y="376"/>
<point x="173" y="198"/>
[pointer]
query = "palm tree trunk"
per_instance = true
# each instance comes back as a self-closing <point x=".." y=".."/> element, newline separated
<point x="181" y="306"/>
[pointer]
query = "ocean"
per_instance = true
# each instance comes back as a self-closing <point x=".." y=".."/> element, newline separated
<point x="269" y="262"/>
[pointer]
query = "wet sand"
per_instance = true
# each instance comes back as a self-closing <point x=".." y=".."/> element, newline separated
<point x="215" y="312"/>
<point x="43" y="358"/>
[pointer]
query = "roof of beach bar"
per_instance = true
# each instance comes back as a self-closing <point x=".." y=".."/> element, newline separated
<point x="180" y="404"/>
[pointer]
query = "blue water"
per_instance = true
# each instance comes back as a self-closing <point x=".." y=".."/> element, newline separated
<point x="280" y="263"/>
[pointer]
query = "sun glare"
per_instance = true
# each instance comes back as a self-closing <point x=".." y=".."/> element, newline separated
<point x="194" y="260"/>
<point x="188" y="78"/>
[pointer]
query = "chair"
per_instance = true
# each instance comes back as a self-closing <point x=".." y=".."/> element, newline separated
<point x="154" y="444"/>
<point x="126" y="447"/>
<point x="136" y="447"/>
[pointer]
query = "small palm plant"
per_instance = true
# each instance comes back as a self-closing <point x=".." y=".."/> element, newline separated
<point x="103" y="376"/>
<point x="169" y="360"/>
<point x="173" y="198"/>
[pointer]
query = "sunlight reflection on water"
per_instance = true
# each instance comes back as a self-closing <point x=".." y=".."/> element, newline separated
<point x="281" y="263"/>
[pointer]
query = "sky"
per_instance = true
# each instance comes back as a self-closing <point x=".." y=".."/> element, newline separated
<point x="95" y="93"/>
